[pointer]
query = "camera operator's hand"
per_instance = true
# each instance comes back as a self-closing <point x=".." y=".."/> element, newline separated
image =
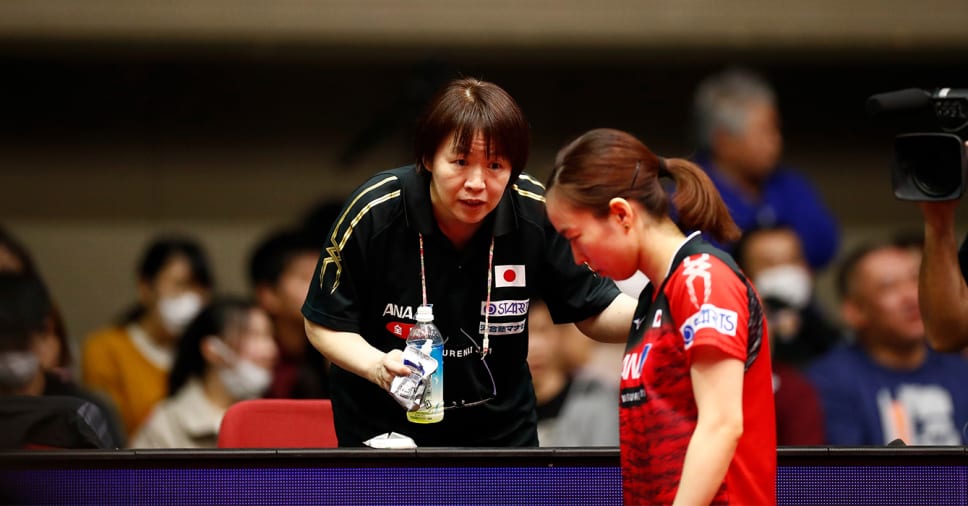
<point x="939" y="215"/>
<point x="942" y="291"/>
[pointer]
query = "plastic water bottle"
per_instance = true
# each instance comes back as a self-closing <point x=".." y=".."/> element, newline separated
<point x="422" y="336"/>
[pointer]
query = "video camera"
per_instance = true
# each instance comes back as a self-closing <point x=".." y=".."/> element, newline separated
<point x="928" y="166"/>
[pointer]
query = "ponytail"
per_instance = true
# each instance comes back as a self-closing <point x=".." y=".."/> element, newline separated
<point x="606" y="163"/>
<point x="698" y="202"/>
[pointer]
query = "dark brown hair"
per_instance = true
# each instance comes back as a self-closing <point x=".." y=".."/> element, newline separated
<point x="29" y="267"/>
<point x="465" y="107"/>
<point x="603" y="164"/>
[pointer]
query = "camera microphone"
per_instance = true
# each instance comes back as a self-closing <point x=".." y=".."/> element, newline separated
<point x="900" y="100"/>
<point x="947" y="101"/>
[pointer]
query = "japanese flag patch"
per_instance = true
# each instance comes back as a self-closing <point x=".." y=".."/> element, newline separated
<point x="509" y="275"/>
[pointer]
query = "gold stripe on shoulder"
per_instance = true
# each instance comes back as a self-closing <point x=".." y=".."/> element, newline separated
<point x="526" y="193"/>
<point x="527" y="177"/>
<point x="366" y="190"/>
<point x="337" y="243"/>
<point x="359" y="216"/>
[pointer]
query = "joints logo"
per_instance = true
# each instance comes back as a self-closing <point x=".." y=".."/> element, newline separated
<point x="708" y="317"/>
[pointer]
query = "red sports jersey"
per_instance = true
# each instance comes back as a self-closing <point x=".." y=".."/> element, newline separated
<point x="704" y="301"/>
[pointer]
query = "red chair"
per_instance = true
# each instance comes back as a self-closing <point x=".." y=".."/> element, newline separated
<point x="278" y="423"/>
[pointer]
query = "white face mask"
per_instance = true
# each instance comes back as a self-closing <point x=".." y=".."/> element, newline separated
<point x="177" y="312"/>
<point x="17" y="368"/>
<point x="245" y="380"/>
<point x="242" y="378"/>
<point x="790" y="284"/>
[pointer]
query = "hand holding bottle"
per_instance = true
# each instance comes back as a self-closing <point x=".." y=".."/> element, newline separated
<point x="421" y="392"/>
<point x="389" y="366"/>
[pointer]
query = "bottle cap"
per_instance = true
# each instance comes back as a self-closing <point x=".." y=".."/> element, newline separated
<point x="425" y="314"/>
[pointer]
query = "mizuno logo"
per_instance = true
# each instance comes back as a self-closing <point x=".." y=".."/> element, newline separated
<point x="638" y="322"/>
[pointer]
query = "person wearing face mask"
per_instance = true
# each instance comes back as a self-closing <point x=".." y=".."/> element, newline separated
<point x="226" y="355"/>
<point x="54" y="349"/>
<point x="773" y="259"/>
<point x="29" y="414"/>
<point x="130" y="361"/>
<point x="51" y="345"/>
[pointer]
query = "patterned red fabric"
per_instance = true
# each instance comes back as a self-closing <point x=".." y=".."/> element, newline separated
<point x="704" y="302"/>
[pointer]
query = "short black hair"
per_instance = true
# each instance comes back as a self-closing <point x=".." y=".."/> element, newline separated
<point x="848" y="266"/>
<point x="465" y="107"/>
<point x="162" y="249"/>
<point x="740" y="252"/>
<point x="271" y="256"/>
<point x="25" y="310"/>
<point x="156" y="257"/>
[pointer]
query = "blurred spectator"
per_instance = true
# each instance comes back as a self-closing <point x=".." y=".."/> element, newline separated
<point x="29" y="415"/>
<point x="889" y="385"/>
<point x="574" y="408"/>
<point x="52" y="346"/>
<point x="130" y="361"/>
<point x="280" y="270"/>
<point x="54" y="350"/>
<point x="740" y="145"/>
<point x="773" y="259"/>
<point x="799" y="412"/>
<point x="13" y="255"/>
<point x="225" y="355"/>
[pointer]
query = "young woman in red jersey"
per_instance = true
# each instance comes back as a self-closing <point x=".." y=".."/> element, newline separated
<point x="697" y="415"/>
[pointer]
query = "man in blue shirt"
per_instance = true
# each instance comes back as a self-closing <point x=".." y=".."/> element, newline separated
<point x="740" y="144"/>
<point x="889" y="384"/>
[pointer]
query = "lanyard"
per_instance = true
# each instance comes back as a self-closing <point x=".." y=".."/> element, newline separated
<point x="485" y="348"/>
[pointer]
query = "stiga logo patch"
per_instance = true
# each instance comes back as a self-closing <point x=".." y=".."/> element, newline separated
<point x="708" y="317"/>
<point x="506" y="307"/>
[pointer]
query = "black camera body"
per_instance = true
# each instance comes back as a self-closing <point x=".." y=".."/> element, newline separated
<point x="928" y="166"/>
